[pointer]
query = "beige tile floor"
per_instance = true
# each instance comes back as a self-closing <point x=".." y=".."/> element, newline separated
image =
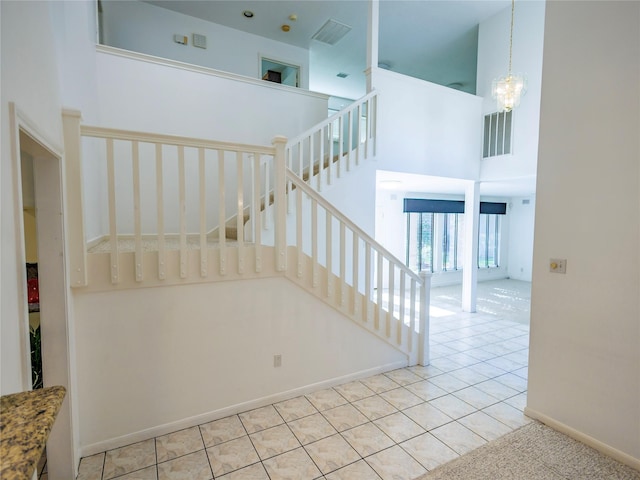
<point x="396" y="425"/>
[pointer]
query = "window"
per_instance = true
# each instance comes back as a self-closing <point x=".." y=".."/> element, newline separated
<point x="452" y="241"/>
<point x="435" y="234"/>
<point x="434" y="241"/>
<point x="497" y="134"/>
<point x="420" y="229"/>
<point x="488" y="241"/>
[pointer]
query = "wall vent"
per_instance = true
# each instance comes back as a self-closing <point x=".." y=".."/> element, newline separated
<point x="342" y="75"/>
<point x="331" y="32"/>
<point x="199" y="41"/>
<point x="526" y="201"/>
<point x="498" y="133"/>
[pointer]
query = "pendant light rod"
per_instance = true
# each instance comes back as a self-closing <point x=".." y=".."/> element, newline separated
<point x="513" y="8"/>
<point x="509" y="89"/>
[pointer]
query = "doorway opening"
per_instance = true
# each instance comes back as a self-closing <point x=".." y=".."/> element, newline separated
<point x="279" y="72"/>
<point x="29" y="223"/>
<point x="39" y="217"/>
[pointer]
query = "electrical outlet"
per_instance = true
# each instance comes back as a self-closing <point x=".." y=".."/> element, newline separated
<point x="558" y="265"/>
<point x="277" y="360"/>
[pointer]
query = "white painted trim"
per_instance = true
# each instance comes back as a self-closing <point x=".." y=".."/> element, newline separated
<point x="284" y="62"/>
<point x="18" y="121"/>
<point x="30" y="128"/>
<point x="148" y="433"/>
<point x="584" y="438"/>
<point x="23" y="313"/>
<point x="205" y="70"/>
<point x="62" y="440"/>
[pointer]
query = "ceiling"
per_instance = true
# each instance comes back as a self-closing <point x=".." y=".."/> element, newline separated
<point x="409" y="182"/>
<point x="435" y="40"/>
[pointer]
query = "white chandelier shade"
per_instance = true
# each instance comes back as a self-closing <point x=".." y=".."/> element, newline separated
<point x="508" y="90"/>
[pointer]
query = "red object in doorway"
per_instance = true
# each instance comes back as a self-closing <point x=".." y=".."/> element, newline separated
<point x="32" y="290"/>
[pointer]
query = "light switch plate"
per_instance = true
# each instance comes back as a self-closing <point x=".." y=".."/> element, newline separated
<point x="181" y="39"/>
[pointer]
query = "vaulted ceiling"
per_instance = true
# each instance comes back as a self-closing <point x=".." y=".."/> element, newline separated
<point x="435" y="40"/>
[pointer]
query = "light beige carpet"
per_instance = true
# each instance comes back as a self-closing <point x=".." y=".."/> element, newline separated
<point x="533" y="452"/>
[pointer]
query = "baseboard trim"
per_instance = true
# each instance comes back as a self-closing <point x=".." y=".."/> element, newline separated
<point x="148" y="433"/>
<point x="584" y="438"/>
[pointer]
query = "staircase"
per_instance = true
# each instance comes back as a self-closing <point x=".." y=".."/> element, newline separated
<point x="276" y="221"/>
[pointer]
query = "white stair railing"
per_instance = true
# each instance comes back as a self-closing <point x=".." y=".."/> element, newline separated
<point x="340" y="262"/>
<point x="336" y="145"/>
<point x="185" y="191"/>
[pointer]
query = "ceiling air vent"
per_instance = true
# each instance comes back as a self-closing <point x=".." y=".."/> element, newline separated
<point x="331" y="32"/>
<point x="342" y="75"/>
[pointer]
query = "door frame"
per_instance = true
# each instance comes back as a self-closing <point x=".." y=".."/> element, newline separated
<point x="58" y="354"/>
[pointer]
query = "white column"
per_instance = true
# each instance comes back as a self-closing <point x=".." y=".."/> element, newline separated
<point x="77" y="252"/>
<point x="470" y="271"/>
<point x="372" y="40"/>
<point x="280" y="185"/>
<point x="438" y="233"/>
<point x="423" y="334"/>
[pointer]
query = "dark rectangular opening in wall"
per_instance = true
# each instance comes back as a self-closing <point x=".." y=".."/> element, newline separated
<point x="272" y="76"/>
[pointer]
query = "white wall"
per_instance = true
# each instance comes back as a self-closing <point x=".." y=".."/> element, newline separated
<point x="585" y="325"/>
<point x="29" y="78"/>
<point x="493" y="62"/>
<point x="152" y="97"/>
<point x="135" y="93"/>
<point x="74" y="25"/>
<point x="145" y="28"/>
<point x="41" y="73"/>
<point x="140" y="350"/>
<point x="426" y="128"/>
<point x="520" y="247"/>
<point x="354" y="194"/>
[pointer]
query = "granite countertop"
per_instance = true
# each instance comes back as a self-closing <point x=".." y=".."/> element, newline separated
<point x="26" y="419"/>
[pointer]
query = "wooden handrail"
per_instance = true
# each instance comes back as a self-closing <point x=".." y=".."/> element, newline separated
<point x="332" y="118"/>
<point x="305" y="188"/>
<point x="174" y="140"/>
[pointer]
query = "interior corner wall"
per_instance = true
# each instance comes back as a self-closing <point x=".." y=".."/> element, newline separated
<point x="140" y="350"/>
<point x="493" y="57"/>
<point x="146" y="28"/>
<point x="585" y="324"/>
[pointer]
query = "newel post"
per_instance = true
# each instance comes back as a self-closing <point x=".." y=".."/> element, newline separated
<point x="280" y="186"/>
<point x="77" y="253"/>
<point x="423" y="336"/>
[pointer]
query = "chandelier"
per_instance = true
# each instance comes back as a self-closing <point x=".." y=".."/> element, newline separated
<point x="508" y="90"/>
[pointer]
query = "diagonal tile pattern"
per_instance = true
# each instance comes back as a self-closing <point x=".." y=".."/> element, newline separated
<point x="395" y="425"/>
